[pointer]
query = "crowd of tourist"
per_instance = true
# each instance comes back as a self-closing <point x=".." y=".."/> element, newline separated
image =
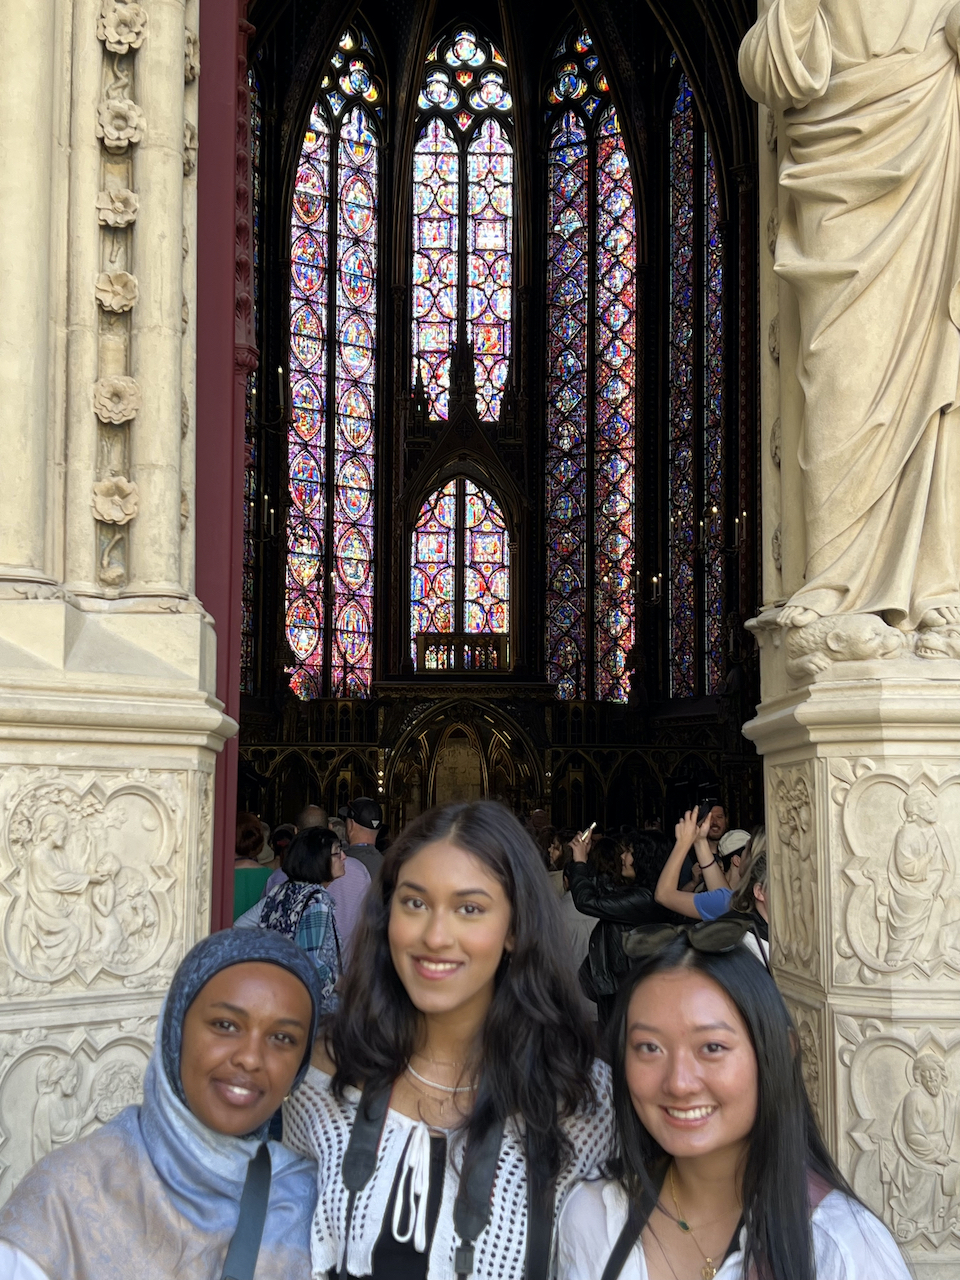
<point x="484" y="1050"/>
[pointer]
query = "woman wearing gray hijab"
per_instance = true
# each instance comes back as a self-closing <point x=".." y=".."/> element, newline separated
<point x="156" y="1193"/>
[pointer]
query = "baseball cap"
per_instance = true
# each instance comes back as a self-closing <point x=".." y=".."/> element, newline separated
<point x="364" y="811"/>
<point x="732" y="842"/>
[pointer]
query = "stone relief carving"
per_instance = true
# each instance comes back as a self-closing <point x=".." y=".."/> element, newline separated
<point x="842" y="638"/>
<point x="117" y="290"/>
<point x="773" y="338"/>
<point x="115" y="500"/>
<point x="191" y="56"/>
<point x="184" y="414"/>
<point x="795" y="904"/>
<point x="901" y="911"/>
<point x="120" y="123"/>
<point x="116" y="399"/>
<point x="117" y="206"/>
<point x="122" y="25"/>
<point x="773" y="229"/>
<point x="184" y="509"/>
<point x="204" y="836"/>
<point x="776" y="441"/>
<point x="68" y="1082"/>
<point x="191" y="144"/>
<point x="903" y="1087"/>
<point x="776" y="547"/>
<point x="184" y="314"/>
<point x="85" y="873"/>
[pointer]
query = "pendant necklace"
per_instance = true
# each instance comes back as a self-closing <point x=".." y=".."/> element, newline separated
<point x="709" y="1268"/>
<point x="444" y="1088"/>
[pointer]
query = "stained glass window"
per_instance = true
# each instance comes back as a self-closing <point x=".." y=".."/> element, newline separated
<point x="696" y="408"/>
<point x="331" y="439"/>
<point x="251" y="488"/>
<point x="459" y="571"/>
<point x="591" y="342"/>
<point x="463" y="193"/>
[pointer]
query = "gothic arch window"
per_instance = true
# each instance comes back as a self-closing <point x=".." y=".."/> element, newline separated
<point x="334" y="292"/>
<point x="591" y="381"/>
<point x="460" y="581"/>
<point x="696" y="405"/>
<point x="463" y="197"/>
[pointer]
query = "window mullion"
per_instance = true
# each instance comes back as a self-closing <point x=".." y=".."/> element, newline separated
<point x="330" y="479"/>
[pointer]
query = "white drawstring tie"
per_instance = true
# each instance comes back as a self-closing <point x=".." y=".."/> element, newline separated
<point x="413" y="1189"/>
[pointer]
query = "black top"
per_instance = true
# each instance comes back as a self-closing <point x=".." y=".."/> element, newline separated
<point x="394" y="1261"/>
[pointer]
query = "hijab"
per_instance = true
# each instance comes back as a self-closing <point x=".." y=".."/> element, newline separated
<point x="155" y="1193"/>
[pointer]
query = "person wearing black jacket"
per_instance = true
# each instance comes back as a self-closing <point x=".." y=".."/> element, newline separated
<point x="618" y="902"/>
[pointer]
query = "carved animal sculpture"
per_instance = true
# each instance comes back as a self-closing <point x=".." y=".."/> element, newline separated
<point x="852" y="637"/>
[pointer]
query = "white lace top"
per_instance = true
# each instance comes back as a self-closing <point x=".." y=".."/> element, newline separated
<point x="317" y="1125"/>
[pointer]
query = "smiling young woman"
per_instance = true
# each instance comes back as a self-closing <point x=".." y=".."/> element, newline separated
<point x="156" y="1192"/>
<point x="718" y="1167"/>
<point x="461" y="1024"/>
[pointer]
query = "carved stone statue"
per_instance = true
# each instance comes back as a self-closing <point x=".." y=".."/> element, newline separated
<point x="56" y="1116"/>
<point x="920" y="869"/>
<point x="869" y="241"/>
<point x="924" y="1167"/>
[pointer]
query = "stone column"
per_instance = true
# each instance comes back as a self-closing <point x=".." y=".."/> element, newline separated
<point x="27" y="128"/>
<point x="109" y="723"/>
<point x="859" y="727"/>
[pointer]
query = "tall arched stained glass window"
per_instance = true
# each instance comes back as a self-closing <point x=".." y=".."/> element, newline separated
<point x="463" y="193"/>
<point x="333" y="328"/>
<point x="591" y="382"/>
<point x="460" y="581"/>
<point x="696" y="406"/>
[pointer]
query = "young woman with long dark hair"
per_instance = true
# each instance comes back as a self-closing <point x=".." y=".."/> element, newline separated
<point x="718" y="1169"/>
<point x="461" y="1025"/>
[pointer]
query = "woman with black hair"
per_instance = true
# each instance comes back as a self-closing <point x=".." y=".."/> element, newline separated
<point x="619" y="893"/>
<point x="454" y="1093"/>
<point x="718" y="1167"/>
<point x="301" y="909"/>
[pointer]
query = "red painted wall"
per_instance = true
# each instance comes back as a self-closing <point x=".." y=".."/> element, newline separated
<point x="220" y="401"/>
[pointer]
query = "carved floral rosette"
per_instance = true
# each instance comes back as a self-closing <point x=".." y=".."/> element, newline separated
<point x="66" y="1082"/>
<point x="791" y="834"/>
<point x="89" y="869"/>
<point x="902" y="1104"/>
<point x="899" y="880"/>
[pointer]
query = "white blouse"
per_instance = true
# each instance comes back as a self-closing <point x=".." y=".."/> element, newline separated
<point x="317" y="1125"/>
<point x="849" y="1242"/>
<point x="15" y="1265"/>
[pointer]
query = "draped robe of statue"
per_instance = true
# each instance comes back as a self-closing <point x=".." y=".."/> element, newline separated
<point x="870" y="243"/>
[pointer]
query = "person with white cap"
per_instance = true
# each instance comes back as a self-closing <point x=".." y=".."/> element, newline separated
<point x="721" y="870"/>
<point x="363" y="817"/>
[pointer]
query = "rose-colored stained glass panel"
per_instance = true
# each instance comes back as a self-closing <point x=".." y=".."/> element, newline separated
<point x="355" y="367"/>
<point x="436" y="244"/>
<point x="490" y="261"/>
<point x="616" y="393"/>
<point x="433" y="565"/>
<point x="714" y="558"/>
<point x="486" y="606"/>
<point x="309" y="283"/>
<point x="568" y="267"/>
<point x="683" y="518"/>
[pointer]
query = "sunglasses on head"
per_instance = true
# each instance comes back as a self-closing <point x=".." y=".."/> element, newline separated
<point x="713" y="937"/>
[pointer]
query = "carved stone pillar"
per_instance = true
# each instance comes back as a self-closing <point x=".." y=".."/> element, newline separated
<point x="27" y="133"/>
<point x="859" y="727"/>
<point x="109" y="726"/>
<point x="862" y="767"/>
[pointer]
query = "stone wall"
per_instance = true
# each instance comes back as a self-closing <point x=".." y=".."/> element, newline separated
<point x="109" y="726"/>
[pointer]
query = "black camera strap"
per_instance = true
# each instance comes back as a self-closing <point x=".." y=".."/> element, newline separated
<point x="474" y="1203"/>
<point x="241" y="1259"/>
<point x="541" y="1201"/>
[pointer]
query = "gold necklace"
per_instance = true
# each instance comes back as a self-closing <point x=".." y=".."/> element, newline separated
<point x="709" y="1268"/>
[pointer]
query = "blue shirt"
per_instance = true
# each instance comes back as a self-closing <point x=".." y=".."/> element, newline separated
<point x="713" y="903"/>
